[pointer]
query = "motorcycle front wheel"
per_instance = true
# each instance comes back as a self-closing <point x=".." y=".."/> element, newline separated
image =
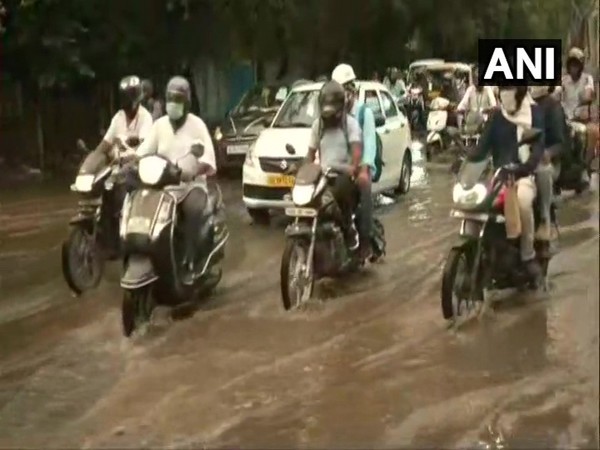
<point x="82" y="262"/>
<point x="455" y="284"/>
<point x="136" y="308"/>
<point x="296" y="285"/>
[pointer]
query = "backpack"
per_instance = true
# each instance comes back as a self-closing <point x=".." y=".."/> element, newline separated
<point x="379" y="163"/>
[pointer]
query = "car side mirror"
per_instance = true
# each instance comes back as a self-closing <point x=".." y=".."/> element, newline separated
<point x="198" y="150"/>
<point x="290" y="149"/>
<point x="379" y="121"/>
<point x="529" y="136"/>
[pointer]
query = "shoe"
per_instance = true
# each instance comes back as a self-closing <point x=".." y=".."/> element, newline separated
<point x="366" y="252"/>
<point x="533" y="269"/>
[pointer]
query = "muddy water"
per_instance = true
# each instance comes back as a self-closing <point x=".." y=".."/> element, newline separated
<point x="369" y="364"/>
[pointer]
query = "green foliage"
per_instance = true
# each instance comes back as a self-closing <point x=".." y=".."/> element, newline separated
<point x="54" y="42"/>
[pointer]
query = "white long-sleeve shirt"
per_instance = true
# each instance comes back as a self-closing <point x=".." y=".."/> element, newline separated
<point x="474" y="100"/>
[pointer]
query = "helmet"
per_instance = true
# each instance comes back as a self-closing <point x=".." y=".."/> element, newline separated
<point x="179" y="90"/>
<point x="576" y="56"/>
<point x="332" y="100"/>
<point x="343" y="73"/>
<point x="130" y="93"/>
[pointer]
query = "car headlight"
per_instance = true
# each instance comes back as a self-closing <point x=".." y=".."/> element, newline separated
<point x="469" y="197"/>
<point x="151" y="169"/>
<point x="249" y="161"/>
<point x="218" y="134"/>
<point x="302" y="194"/>
<point x="84" y="183"/>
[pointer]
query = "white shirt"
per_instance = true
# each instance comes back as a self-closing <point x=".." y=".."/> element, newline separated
<point x="572" y="91"/>
<point x="119" y="128"/>
<point x="474" y="100"/>
<point x="176" y="145"/>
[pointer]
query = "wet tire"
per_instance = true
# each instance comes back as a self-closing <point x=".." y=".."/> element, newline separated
<point x="82" y="262"/>
<point x="405" y="174"/>
<point x="136" y="309"/>
<point x="294" y="248"/>
<point x="449" y="278"/>
<point x="260" y="216"/>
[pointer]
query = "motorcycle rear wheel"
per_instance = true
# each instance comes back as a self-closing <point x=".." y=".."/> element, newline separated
<point x="136" y="308"/>
<point x="82" y="261"/>
<point x="296" y="287"/>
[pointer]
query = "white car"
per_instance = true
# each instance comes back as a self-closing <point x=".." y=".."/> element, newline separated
<point x="265" y="185"/>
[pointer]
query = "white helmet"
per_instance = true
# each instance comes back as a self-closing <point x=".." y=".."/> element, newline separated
<point x="343" y="73"/>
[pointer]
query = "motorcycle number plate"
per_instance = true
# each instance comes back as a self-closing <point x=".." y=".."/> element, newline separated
<point x="139" y="225"/>
<point x="301" y="212"/>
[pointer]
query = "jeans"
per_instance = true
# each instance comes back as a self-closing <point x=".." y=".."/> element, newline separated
<point x="345" y="194"/>
<point x="193" y="207"/>
<point x="366" y="211"/>
<point x="545" y="176"/>
<point x="526" y="192"/>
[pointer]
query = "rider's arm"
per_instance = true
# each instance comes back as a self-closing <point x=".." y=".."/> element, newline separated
<point x="555" y="130"/>
<point x="491" y="97"/>
<point x="208" y="164"/>
<point x="464" y="103"/>
<point x="313" y="143"/>
<point x="107" y="142"/>
<point x="588" y="90"/>
<point x="369" y="139"/>
<point x="150" y="144"/>
<point x="486" y="140"/>
<point x="146" y="122"/>
<point x="355" y="140"/>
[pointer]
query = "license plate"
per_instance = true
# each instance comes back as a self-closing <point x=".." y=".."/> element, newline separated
<point x="281" y="181"/>
<point x="480" y="217"/>
<point x="237" y="149"/>
<point x="301" y="212"/>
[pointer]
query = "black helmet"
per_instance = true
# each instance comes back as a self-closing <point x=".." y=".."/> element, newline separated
<point x="130" y="93"/>
<point x="332" y="100"/>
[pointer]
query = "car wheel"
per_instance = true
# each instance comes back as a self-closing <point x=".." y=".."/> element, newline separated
<point x="405" y="174"/>
<point x="260" y="216"/>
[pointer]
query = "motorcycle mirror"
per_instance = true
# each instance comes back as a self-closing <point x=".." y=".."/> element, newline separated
<point x="81" y="145"/>
<point x="379" y="121"/>
<point x="529" y="136"/>
<point x="290" y="149"/>
<point x="198" y="150"/>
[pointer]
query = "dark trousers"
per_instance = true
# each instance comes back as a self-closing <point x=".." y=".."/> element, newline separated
<point x="345" y="194"/>
<point x="193" y="208"/>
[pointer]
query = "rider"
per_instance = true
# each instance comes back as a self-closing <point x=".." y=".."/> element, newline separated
<point x="577" y="93"/>
<point x="149" y="101"/>
<point x="345" y="76"/>
<point x="396" y="85"/>
<point x="130" y="125"/>
<point x="336" y="135"/>
<point x="556" y="144"/>
<point x="517" y="113"/>
<point x="477" y="98"/>
<point x="449" y="92"/>
<point x="172" y="136"/>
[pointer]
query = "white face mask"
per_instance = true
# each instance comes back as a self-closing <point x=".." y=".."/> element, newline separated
<point x="174" y="110"/>
<point x="508" y="101"/>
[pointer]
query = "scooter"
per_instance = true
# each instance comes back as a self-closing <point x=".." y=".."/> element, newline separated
<point x="436" y="124"/>
<point x="153" y="243"/>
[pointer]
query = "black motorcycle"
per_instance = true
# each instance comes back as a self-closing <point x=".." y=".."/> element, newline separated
<point x="414" y="105"/>
<point x="484" y="258"/>
<point x="315" y="244"/>
<point x="153" y="242"/>
<point x="94" y="230"/>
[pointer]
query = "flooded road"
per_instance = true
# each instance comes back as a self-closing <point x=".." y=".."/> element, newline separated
<point x="370" y="364"/>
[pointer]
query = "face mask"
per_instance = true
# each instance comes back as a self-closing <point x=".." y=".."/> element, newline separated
<point x="174" y="110"/>
<point x="509" y="103"/>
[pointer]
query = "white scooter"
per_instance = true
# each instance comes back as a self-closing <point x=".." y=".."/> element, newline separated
<point x="436" y="123"/>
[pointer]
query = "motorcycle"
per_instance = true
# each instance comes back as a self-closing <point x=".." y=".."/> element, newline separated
<point x="94" y="230"/>
<point x="484" y="258"/>
<point x="153" y="243"/>
<point x="436" y="124"/>
<point x="315" y="244"/>
<point x="414" y="105"/>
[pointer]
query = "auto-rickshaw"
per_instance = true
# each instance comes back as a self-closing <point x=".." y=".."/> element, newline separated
<point x="462" y="73"/>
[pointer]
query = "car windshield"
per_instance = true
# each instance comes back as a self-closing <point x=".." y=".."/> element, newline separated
<point x="258" y="98"/>
<point x="471" y="173"/>
<point x="299" y="110"/>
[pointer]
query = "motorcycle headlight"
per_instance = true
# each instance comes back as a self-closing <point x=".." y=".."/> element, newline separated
<point x="469" y="197"/>
<point x="84" y="183"/>
<point x="218" y="134"/>
<point x="151" y="169"/>
<point x="302" y="194"/>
